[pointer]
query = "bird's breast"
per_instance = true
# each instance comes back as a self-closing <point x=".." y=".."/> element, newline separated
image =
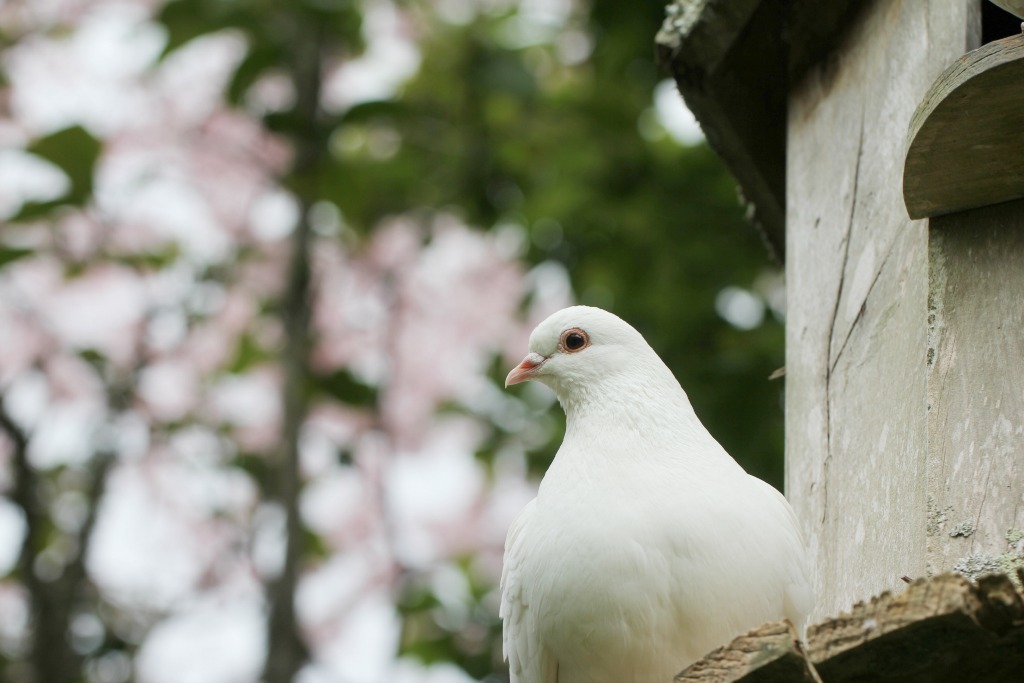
<point x="633" y="568"/>
<point x="616" y="596"/>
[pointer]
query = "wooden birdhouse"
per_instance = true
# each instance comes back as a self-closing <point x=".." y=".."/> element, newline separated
<point x="880" y="146"/>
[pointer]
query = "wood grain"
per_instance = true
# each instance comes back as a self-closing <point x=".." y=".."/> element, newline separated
<point x="727" y="57"/>
<point x="936" y="631"/>
<point x="733" y="61"/>
<point x="966" y="140"/>
<point x="857" y="272"/>
<point x="768" y="654"/>
<point x="940" y="630"/>
<point x="975" y="396"/>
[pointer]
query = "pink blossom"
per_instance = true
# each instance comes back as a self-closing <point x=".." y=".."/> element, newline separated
<point x="169" y="389"/>
<point x="171" y="274"/>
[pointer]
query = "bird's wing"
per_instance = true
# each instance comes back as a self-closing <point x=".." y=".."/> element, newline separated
<point x="799" y="598"/>
<point x="528" y="662"/>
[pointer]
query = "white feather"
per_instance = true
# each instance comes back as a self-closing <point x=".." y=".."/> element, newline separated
<point x="647" y="545"/>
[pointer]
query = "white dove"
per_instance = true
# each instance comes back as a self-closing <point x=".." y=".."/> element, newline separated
<point x="647" y="545"/>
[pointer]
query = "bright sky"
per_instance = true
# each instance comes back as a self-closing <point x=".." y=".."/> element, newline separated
<point x="674" y="116"/>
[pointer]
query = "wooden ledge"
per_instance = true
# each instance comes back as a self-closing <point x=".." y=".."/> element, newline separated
<point x="939" y="630"/>
<point x="768" y="654"/>
<point x="966" y="139"/>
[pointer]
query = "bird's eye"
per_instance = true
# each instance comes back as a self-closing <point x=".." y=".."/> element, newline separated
<point x="574" y="340"/>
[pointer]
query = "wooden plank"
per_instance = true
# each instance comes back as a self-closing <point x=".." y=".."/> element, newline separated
<point x="856" y="271"/>
<point x="966" y="137"/>
<point x="936" y="631"/>
<point x="815" y="25"/>
<point x="702" y="31"/>
<point x="726" y="55"/>
<point x="768" y="654"/>
<point x="976" y="405"/>
<point x="875" y="509"/>
<point x="940" y="630"/>
<point x="733" y="60"/>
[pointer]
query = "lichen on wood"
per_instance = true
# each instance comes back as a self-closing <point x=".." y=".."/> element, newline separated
<point x="1011" y="563"/>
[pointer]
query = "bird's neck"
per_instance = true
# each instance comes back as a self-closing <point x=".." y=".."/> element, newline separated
<point x="648" y="416"/>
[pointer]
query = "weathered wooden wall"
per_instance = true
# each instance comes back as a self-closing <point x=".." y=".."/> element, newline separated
<point x="976" y="391"/>
<point x="857" y="288"/>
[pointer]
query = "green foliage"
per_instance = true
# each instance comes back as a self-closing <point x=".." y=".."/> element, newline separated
<point x="151" y="261"/>
<point x="260" y="59"/>
<point x="11" y="254"/>
<point x="648" y="228"/>
<point x="186" y="20"/>
<point x="276" y="31"/>
<point x="74" y="151"/>
<point x="257" y="467"/>
<point x="344" y="387"/>
<point x="466" y="633"/>
<point x="248" y="354"/>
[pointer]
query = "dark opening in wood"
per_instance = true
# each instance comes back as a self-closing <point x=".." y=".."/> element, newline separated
<point x="997" y="23"/>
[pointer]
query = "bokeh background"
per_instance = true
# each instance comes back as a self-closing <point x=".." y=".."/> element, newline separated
<point x="264" y="265"/>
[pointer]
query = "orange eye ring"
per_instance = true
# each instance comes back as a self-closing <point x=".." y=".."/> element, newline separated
<point x="573" y="340"/>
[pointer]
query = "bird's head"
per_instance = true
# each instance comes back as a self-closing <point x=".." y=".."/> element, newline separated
<point x="579" y="349"/>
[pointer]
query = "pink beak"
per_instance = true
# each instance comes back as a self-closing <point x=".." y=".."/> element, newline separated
<point x="525" y="370"/>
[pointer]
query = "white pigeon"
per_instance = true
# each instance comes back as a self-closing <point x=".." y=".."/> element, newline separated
<point x="647" y="545"/>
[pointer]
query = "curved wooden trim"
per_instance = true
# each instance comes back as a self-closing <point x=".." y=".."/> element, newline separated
<point x="966" y="140"/>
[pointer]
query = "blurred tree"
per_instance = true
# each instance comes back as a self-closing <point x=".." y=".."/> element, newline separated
<point x="383" y="322"/>
<point x="512" y="122"/>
